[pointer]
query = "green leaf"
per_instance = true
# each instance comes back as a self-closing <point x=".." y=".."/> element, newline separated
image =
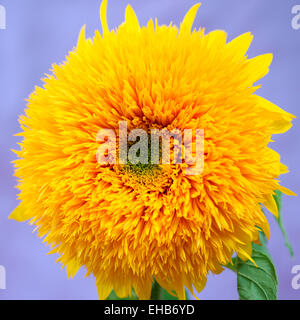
<point x="278" y="197"/>
<point x="257" y="282"/>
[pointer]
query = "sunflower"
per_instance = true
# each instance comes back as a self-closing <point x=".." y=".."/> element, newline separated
<point x="130" y="224"/>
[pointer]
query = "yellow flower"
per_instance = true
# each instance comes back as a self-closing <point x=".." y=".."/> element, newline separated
<point x="128" y="227"/>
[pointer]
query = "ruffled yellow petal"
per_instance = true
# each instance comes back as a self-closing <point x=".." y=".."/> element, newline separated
<point x="128" y="225"/>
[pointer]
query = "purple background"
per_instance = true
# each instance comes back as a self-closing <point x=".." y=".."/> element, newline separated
<point x="40" y="33"/>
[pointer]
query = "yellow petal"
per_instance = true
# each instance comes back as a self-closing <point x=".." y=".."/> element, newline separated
<point x="122" y="291"/>
<point x="240" y="44"/>
<point x="131" y="18"/>
<point x="187" y="23"/>
<point x="256" y="68"/>
<point x="103" y="9"/>
<point x="283" y="168"/>
<point x="245" y="253"/>
<point x="181" y="293"/>
<point x="200" y="286"/>
<point x="217" y="38"/>
<point x="286" y="191"/>
<point x="81" y="37"/>
<point x="266" y="229"/>
<point x="103" y="289"/>
<point x="72" y="268"/>
<point x="281" y="120"/>
<point x="20" y="214"/>
<point x="270" y="203"/>
<point x="143" y="289"/>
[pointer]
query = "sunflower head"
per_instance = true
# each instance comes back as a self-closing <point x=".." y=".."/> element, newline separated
<point x="131" y="223"/>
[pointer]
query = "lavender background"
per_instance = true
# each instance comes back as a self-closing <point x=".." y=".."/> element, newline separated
<point x="40" y="33"/>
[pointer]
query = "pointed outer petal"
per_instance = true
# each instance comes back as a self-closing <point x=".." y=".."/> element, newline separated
<point x="188" y="20"/>
<point x="20" y="214"/>
<point x="241" y="44"/>
<point x="270" y="203"/>
<point x="104" y="290"/>
<point x="286" y="191"/>
<point x="81" y="37"/>
<point x="256" y="68"/>
<point x="131" y="19"/>
<point x="266" y="228"/>
<point x="262" y="62"/>
<point x="103" y="9"/>
<point x="150" y="25"/>
<point x="245" y="253"/>
<point x="274" y="157"/>
<point x="72" y="268"/>
<point x="283" y="168"/>
<point x="200" y="286"/>
<point x="281" y="119"/>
